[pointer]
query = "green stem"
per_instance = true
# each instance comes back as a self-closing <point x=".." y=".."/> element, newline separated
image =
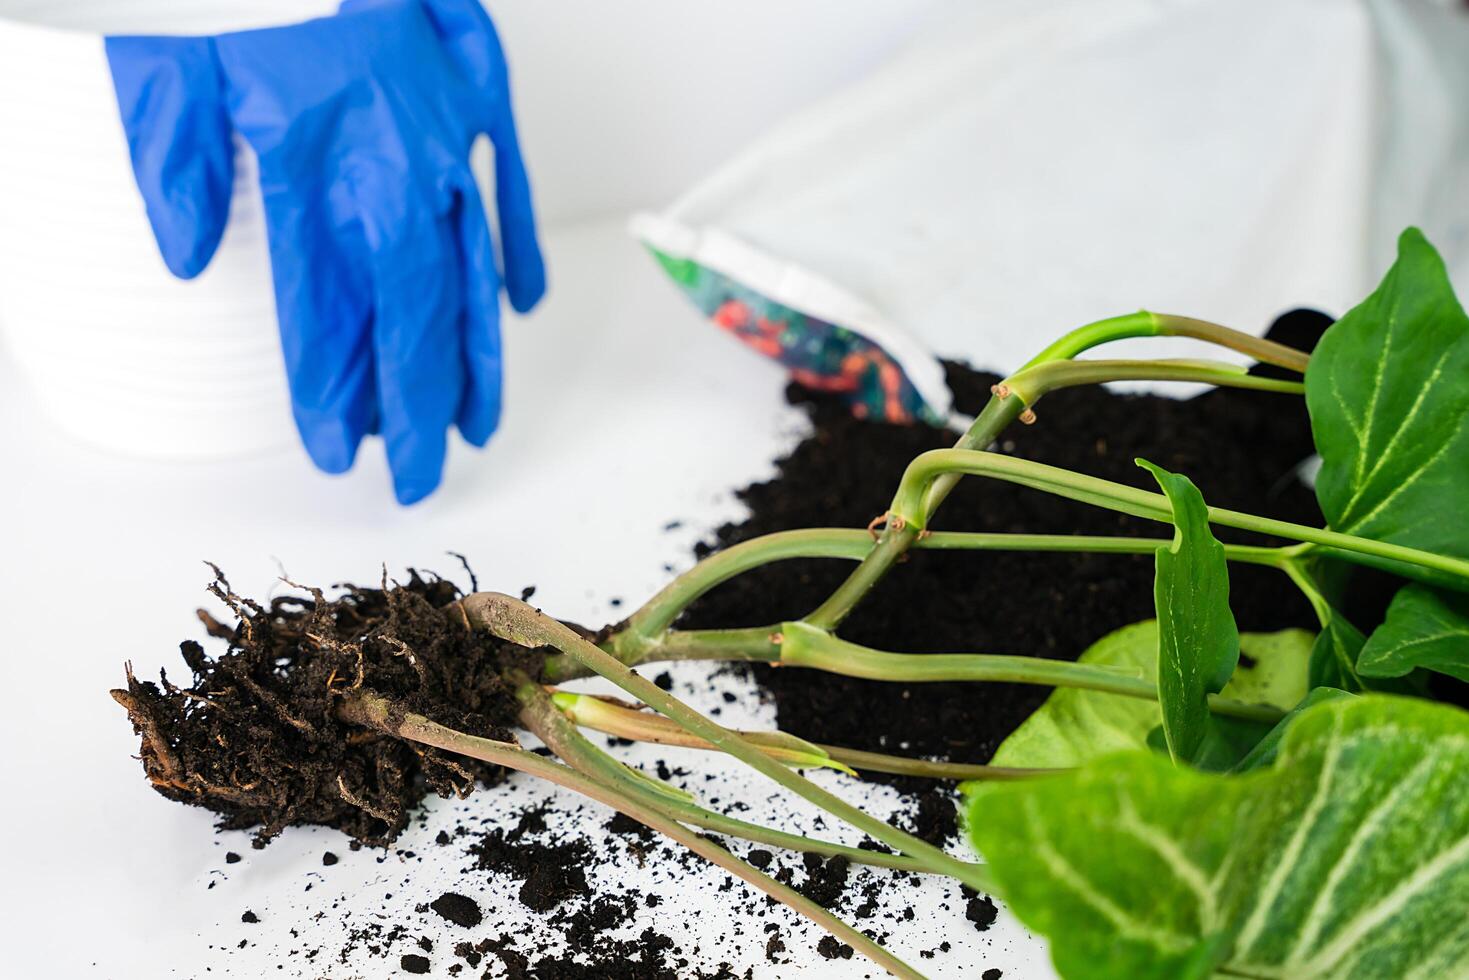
<point x="891" y="546"/>
<point x="1032" y="382"/>
<point x="926" y="768"/>
<point x="1081" y="543"/>
<point x="908" y="505"/>
<point x="894" y="542"/>
<point x="998" y="413"/>
<point x="659" y="612"/>
<point x="1146" y="324"/>
<point x="599" y="714"/>
<point x="804" y="645"/>
<point x="1308" y="587"/>
<point x="622" y="720"/>
<point x="517" y="622"/>
<point x="748" y="643"/>
<point x="1265" y="351"/>
<point x="756" y="643"/>
<point x="1139" y="324"/>
<point x="644" y="629"/>
<point x="373" y="711"/>
<point x="552" y="727"/>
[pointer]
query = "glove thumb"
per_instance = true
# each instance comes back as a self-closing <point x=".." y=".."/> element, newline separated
<point x="171" y="96"/>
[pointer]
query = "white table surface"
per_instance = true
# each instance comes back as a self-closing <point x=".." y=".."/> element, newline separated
<point x="624" y="411"/>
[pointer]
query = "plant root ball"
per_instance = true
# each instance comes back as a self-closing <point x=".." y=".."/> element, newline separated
<point x="255" y="736"/>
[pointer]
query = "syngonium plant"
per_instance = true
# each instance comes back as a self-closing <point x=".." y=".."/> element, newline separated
<point x="1312" y="828"/>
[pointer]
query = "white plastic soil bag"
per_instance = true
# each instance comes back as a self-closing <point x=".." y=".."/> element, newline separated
<point x="1032" y="165"/>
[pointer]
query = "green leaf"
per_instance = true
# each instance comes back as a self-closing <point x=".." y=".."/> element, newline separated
<point x="1349" y="857"/>
<point x="1074" y="725"/>
<point x="1198" y="644"/>
<point x="1423" y="628"/>
<point x="1388" y="392"/>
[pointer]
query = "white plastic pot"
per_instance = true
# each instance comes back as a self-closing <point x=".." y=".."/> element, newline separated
<point x="120" y="352"/>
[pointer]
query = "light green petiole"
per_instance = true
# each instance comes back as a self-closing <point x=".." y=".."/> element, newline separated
<point x="910" y="511"/>
<point x="513" y="620"/>
<point x="573" y="748"/>
<point x="804" y="645"/>
<point x="602" y="715"/>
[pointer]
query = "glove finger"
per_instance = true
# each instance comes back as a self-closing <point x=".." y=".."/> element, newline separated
<point x="525" y="269"/>
<point x="170" y="96"/>
<point x="470" y="39"/>
<point x="418" y="310"/>
<point x="322" y="291"/>
<point x="479" y="412"/>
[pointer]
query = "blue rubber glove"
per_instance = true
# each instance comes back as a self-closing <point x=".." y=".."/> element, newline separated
<point x="385" y="278"/>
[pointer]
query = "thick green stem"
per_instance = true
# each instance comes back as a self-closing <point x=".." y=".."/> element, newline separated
<point x="804" y="645"/>
<point x="373" y="711"/>
<point x="1265" y="351"/>
<point x="1029" y="384"/>
<point x="573" y="748"/>
<point x="908" y="506"/>
<point x="659" y="612"/>
<point x="1139" y="324"/>
<point x="517" y="622"/>
<point x="746" y="643"/>
<point x="1146" y="324"/>
<point x="599" y="714"/>
<point x="891" y="546"/>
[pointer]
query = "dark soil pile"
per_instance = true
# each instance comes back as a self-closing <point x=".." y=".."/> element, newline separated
<point x="1240" y="447"/>
<point x="255" y="737"/>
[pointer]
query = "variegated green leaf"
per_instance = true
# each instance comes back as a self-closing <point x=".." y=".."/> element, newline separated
<point x="1347" y="858"/>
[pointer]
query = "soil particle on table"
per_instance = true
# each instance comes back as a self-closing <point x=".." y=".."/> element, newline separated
<point x="980" y="909"/>
<point x="1240" y="447"/>
<point x="461" y="910"/>
<point x="833" y="949"/>
<point x="826" y="879"/>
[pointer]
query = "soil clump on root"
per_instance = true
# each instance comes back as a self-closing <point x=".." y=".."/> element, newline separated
<point x="255" y="736"/>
